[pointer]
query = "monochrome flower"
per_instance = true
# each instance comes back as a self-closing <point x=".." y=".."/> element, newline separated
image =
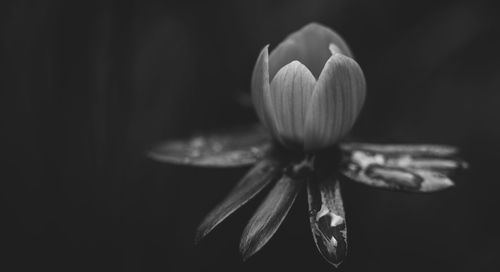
<point x="307" y="93"/>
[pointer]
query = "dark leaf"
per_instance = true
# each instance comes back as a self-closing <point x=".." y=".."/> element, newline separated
<point x="415" y="168"/>
<point x="236" y="147"/>
<point x="255" y="180"/>
<point x="269" y="215"/>
<point x="327" y="218"/>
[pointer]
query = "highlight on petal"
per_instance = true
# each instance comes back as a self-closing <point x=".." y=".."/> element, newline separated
<point x="229" y="148"/>
<point x="327" y="218"/>
<point x="291" y="90"/>
<point x="413" y="168"/>
<point x="269" y="215"/>
<point x="309" y="45"/>
<point x="336" y="102"/>
<point x="255" y="180"/>
<point x="334" y="49"/>
<point x="260" y="86"/>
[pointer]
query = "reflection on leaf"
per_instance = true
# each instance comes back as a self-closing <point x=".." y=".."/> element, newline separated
<point x="327" y="219"/>
<point x="230" y="148"/>
<point x="415" y="168"/>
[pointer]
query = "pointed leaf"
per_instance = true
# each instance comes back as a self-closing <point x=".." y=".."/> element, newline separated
<point x="327" y="218"/>
<point x="230" y="148"/>
<point x="269" y="215"/>
<point x="414" y="168"/>
<point x="255" y="180"/>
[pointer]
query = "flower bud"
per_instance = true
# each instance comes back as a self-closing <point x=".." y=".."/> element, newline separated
<point x="316" y="89"/>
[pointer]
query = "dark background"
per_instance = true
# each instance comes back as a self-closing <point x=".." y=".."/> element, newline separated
<point x="88" y="87"/>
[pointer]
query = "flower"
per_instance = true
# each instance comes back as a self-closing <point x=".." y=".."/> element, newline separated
<point x="309" y="91"/>
<point x="316" y="92"/>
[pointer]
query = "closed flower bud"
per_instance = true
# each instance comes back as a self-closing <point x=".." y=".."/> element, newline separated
<point x="309" y="91"/>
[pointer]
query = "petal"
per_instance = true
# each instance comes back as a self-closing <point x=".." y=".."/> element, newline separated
<point x="229" y="148"/>
<point x="327" y="218"/>
<point x="260" y="86"/>
<point x="309" y="45"/>
<point x="291" y="91"/>
<point x="269" y="215"/>
<point x="336" y="102"/>
<point x="413" y="168"/>
<point x="254" y="181"/>
<point x="286" y="52"/>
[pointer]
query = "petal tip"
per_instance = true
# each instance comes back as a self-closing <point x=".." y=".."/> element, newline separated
<point x="265" y="49"/>
<point x="334" y="49"/>
<point x="315" y="26"/>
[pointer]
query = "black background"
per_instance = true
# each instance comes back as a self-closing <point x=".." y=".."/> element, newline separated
<point x="88" y="87"/>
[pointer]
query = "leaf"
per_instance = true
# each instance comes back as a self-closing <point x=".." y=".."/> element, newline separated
<point x="413" y="168"/>
<point x="230" y="148"/>
<point x="255" y="180"/>
<point x="416" y="149"/>
<point x="327" y="218"/>
<point x="269" y="215"/>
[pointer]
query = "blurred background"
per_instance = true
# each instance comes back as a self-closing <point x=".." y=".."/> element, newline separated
<point x="88" y="86"/>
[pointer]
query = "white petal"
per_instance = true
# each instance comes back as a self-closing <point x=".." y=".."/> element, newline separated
<point x="261" y="91"/>
<point x="336" y="102"/>
<point x="291" y="90"/>
<point x="334" y="49"/>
